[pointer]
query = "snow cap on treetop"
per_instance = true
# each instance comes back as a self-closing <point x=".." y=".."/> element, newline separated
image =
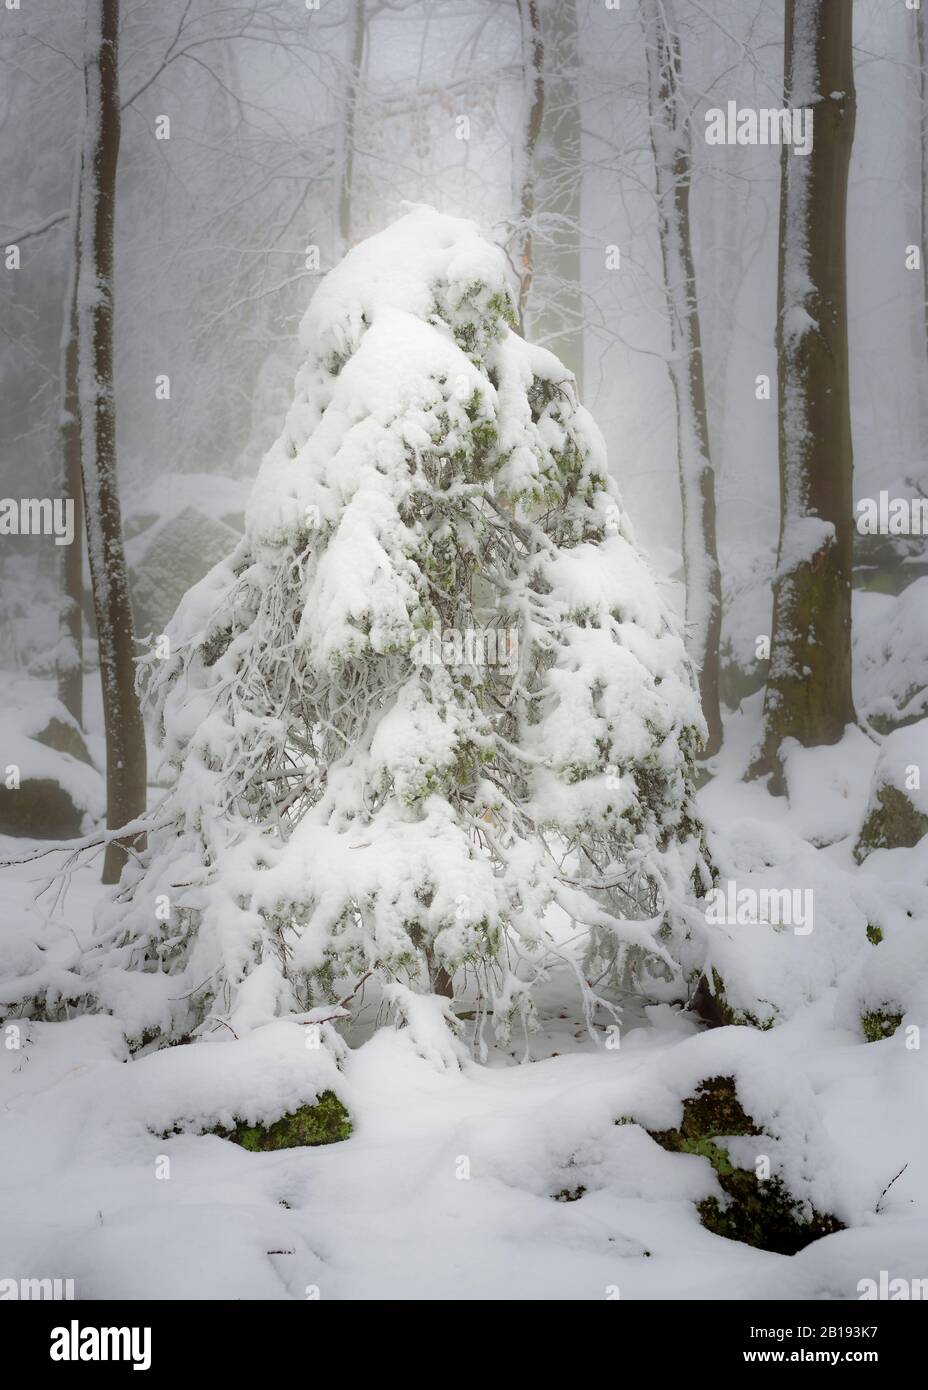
<point x="399" y="268"/>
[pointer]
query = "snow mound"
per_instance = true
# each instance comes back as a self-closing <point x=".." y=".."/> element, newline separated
<point x="902" y="757"/>
<point x="889" y="984"/>
<point x="890" y="640"/>
<point x="897" y="806"/>
<point x="827" y="785"/>
<point x="45" y="791"/>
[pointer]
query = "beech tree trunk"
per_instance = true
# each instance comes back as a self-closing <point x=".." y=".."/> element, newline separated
<point x="670" y="142"/>
<point x="70" y="660"/>
<point x="344" y="159"/>
<point x="533" y="69"/>
<point x="922" y="44"/>
<point x="557" y="311"/>
<point x="125" y="736"/>
<point x="808" y="694"/>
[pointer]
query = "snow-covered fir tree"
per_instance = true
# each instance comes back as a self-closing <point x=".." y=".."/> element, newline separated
<point x="432" y="722"/>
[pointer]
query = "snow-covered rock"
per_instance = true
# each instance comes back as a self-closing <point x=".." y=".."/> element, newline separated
<point x="897" y="805"/>
<point x="49" y="788"/>
<point x="890" y="649"/>
<point x="176" y="531"/>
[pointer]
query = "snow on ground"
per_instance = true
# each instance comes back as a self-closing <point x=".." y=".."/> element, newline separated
<point x="891" y="654"/>
<point x="445" y="1189"/>
<point x="28" y="707"/>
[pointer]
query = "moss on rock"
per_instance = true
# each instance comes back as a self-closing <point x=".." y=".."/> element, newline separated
<point x="713" y="1110"/>
<point x="892" y="823"/>
<point x="878" y="1024"/>
<point x="714" y="1009"/>
<point x="762" y="1213"/>
<point x="326" y="1122"/>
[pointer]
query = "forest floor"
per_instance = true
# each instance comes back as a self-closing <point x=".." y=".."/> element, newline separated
<point x="448" y="1186"/>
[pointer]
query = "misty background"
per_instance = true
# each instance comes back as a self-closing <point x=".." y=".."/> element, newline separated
<point x="290" y="129"/>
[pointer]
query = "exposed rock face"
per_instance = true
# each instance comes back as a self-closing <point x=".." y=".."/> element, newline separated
<point x="65" y="737"/>
<point x="897" y="807"/>
<point x="49" y="788"/>
<point x="39" y="809"/>
<point x="177" y="555"/>
<point x="176" y="530"/>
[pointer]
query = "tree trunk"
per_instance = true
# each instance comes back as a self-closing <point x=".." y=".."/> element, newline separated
<point x="808" y="694"/>
<point x="344" y="156"/>
<point x="533" y="63"/>
<point x="125" y="737"/>
<point x="70" y="660"/>
<point x="558" y="312"/>
<point x="922" y="42"/>
<point x="670" y="142"/>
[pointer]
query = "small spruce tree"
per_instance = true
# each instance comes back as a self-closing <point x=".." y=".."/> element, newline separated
<point x="433" y="698"/>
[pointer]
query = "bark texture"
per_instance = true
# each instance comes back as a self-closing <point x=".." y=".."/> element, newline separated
<point x="808" y="694"/>
<point x="533" y="68"/>
<point x="125" y="735"/>
<point x="670" y="142"/>
<point x="556" y="312"/>
<point x="347" y="130"/>
<point x="70" y="661"/>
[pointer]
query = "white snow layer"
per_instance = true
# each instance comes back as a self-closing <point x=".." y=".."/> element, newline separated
<point x="444" y="1189"/>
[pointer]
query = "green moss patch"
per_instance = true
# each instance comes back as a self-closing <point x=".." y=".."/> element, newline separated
<point x="759" y="1213"/>
<point x="326" y="1122"/>
<point x="878" y="1024"/>
<point x="764" y="1215"/>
